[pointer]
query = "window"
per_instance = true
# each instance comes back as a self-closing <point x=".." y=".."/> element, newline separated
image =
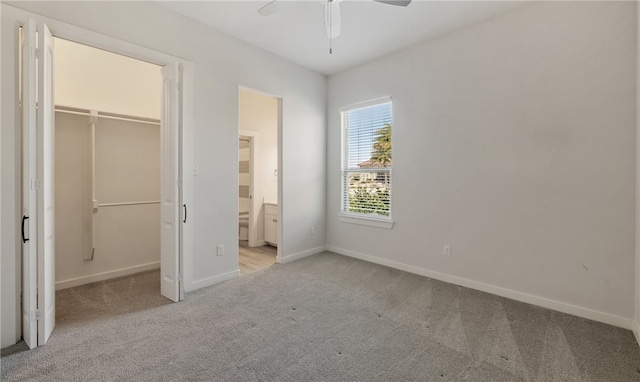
<point x="366" y="160"/>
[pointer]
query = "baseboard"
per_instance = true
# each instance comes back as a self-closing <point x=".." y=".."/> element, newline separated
<point x="300" y="255"/>
<point x="106" y="275"/>
<point x="499" y="291"/>
<point x="635" y="328"/>
<point x="259" y="243"/>
<point x="203" y="283"/>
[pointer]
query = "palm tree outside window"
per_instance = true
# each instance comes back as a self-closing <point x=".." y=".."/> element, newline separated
<point x="367" y="159"/>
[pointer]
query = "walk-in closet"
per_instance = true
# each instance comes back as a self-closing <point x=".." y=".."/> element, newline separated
<point x="107" y="165"/>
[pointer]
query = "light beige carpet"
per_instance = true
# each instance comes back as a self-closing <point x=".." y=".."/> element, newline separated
<point x="323" y="318"/>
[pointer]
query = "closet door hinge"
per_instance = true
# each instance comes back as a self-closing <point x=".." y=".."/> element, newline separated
<point x="35" y="315"/>
<point x="180" y="277"/>
<point x="35" y="184"/>
<point x="179" y="182"/>
<point x="179" y="86"/>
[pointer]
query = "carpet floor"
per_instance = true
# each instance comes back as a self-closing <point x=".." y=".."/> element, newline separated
<point x="324" y="318"/>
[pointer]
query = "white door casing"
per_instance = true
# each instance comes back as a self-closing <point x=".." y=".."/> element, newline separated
<point x="29" y="184"/>
<point x="46" y="200"/>
<point x="171" y="179"/>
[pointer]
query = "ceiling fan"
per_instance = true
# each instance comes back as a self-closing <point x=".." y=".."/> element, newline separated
<point x="332" y="14"/>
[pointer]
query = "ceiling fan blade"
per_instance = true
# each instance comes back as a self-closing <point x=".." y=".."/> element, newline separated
<point x="401" y="3"/>
<point x="332" y="19"/>
<point x="270" y="8"/>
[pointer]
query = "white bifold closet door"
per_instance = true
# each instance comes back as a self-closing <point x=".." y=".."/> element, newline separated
<point x="171" y="183"/>
<point x="38" y="181"/>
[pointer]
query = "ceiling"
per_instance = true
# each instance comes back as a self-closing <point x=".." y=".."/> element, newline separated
<point x="369" y="29"/>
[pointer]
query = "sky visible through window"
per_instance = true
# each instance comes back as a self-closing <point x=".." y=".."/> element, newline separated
<point x="362" y="126"/>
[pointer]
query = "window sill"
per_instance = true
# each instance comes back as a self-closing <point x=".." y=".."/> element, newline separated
<point x="368" y="221"/>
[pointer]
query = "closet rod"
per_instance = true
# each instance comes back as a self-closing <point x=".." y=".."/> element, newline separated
<point x="107" y="116"/>
<point x="128" y="203"/>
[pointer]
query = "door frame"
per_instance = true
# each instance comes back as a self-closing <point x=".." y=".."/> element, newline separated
<point x="80" y="35"/>
<point x="254" y="208"/>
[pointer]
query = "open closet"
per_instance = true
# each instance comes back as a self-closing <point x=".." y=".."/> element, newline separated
<point x="107" y="165"/>
<point x="103" y="186"/>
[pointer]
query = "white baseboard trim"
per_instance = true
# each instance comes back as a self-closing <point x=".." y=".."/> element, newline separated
<point x="64" y="284"/>
<point x="203" y="283"/>
<point x="635" y="328"/>
<point x="259" y="243"/>
<point x="559" y="306"/>
<point x="300" y="255"/>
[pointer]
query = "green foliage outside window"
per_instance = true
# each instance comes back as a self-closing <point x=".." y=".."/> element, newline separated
<point x="381" y="155"/>
<point x="368" y="200"/>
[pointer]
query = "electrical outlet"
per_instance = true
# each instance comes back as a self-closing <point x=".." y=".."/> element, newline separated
<point x="447" y="250"/>
<point x="313" y="231"/>
<point x="220" y="250"/>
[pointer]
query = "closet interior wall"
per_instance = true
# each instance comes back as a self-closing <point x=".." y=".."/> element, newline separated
<point x="126" y="237"/>
<point x="126" y="223"/>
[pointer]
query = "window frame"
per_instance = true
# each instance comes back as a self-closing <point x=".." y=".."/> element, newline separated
<point x="374" y="220"/>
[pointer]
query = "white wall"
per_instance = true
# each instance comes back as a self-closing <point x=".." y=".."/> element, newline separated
<point x="513" y="142"/>
<point x="222" y="64"/>
<point x="127" y="170"/>
<point x="259" y="113"/>
<point x="90" y="78"/>
<point x="9" y="181"/>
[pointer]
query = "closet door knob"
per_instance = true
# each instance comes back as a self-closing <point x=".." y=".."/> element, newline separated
<point x="24" y="239"/>
<point x="185" y="213"/>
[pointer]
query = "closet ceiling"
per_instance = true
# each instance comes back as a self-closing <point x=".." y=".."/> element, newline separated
<point x="369" y="29"/>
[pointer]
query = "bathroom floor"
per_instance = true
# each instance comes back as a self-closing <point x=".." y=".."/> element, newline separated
<point x="256" y="258"/>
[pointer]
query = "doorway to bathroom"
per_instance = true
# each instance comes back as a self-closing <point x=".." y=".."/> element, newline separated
<point x="258" y="212"/>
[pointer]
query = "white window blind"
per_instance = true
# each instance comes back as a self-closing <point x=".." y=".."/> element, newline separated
<point x="366" y="161"/>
